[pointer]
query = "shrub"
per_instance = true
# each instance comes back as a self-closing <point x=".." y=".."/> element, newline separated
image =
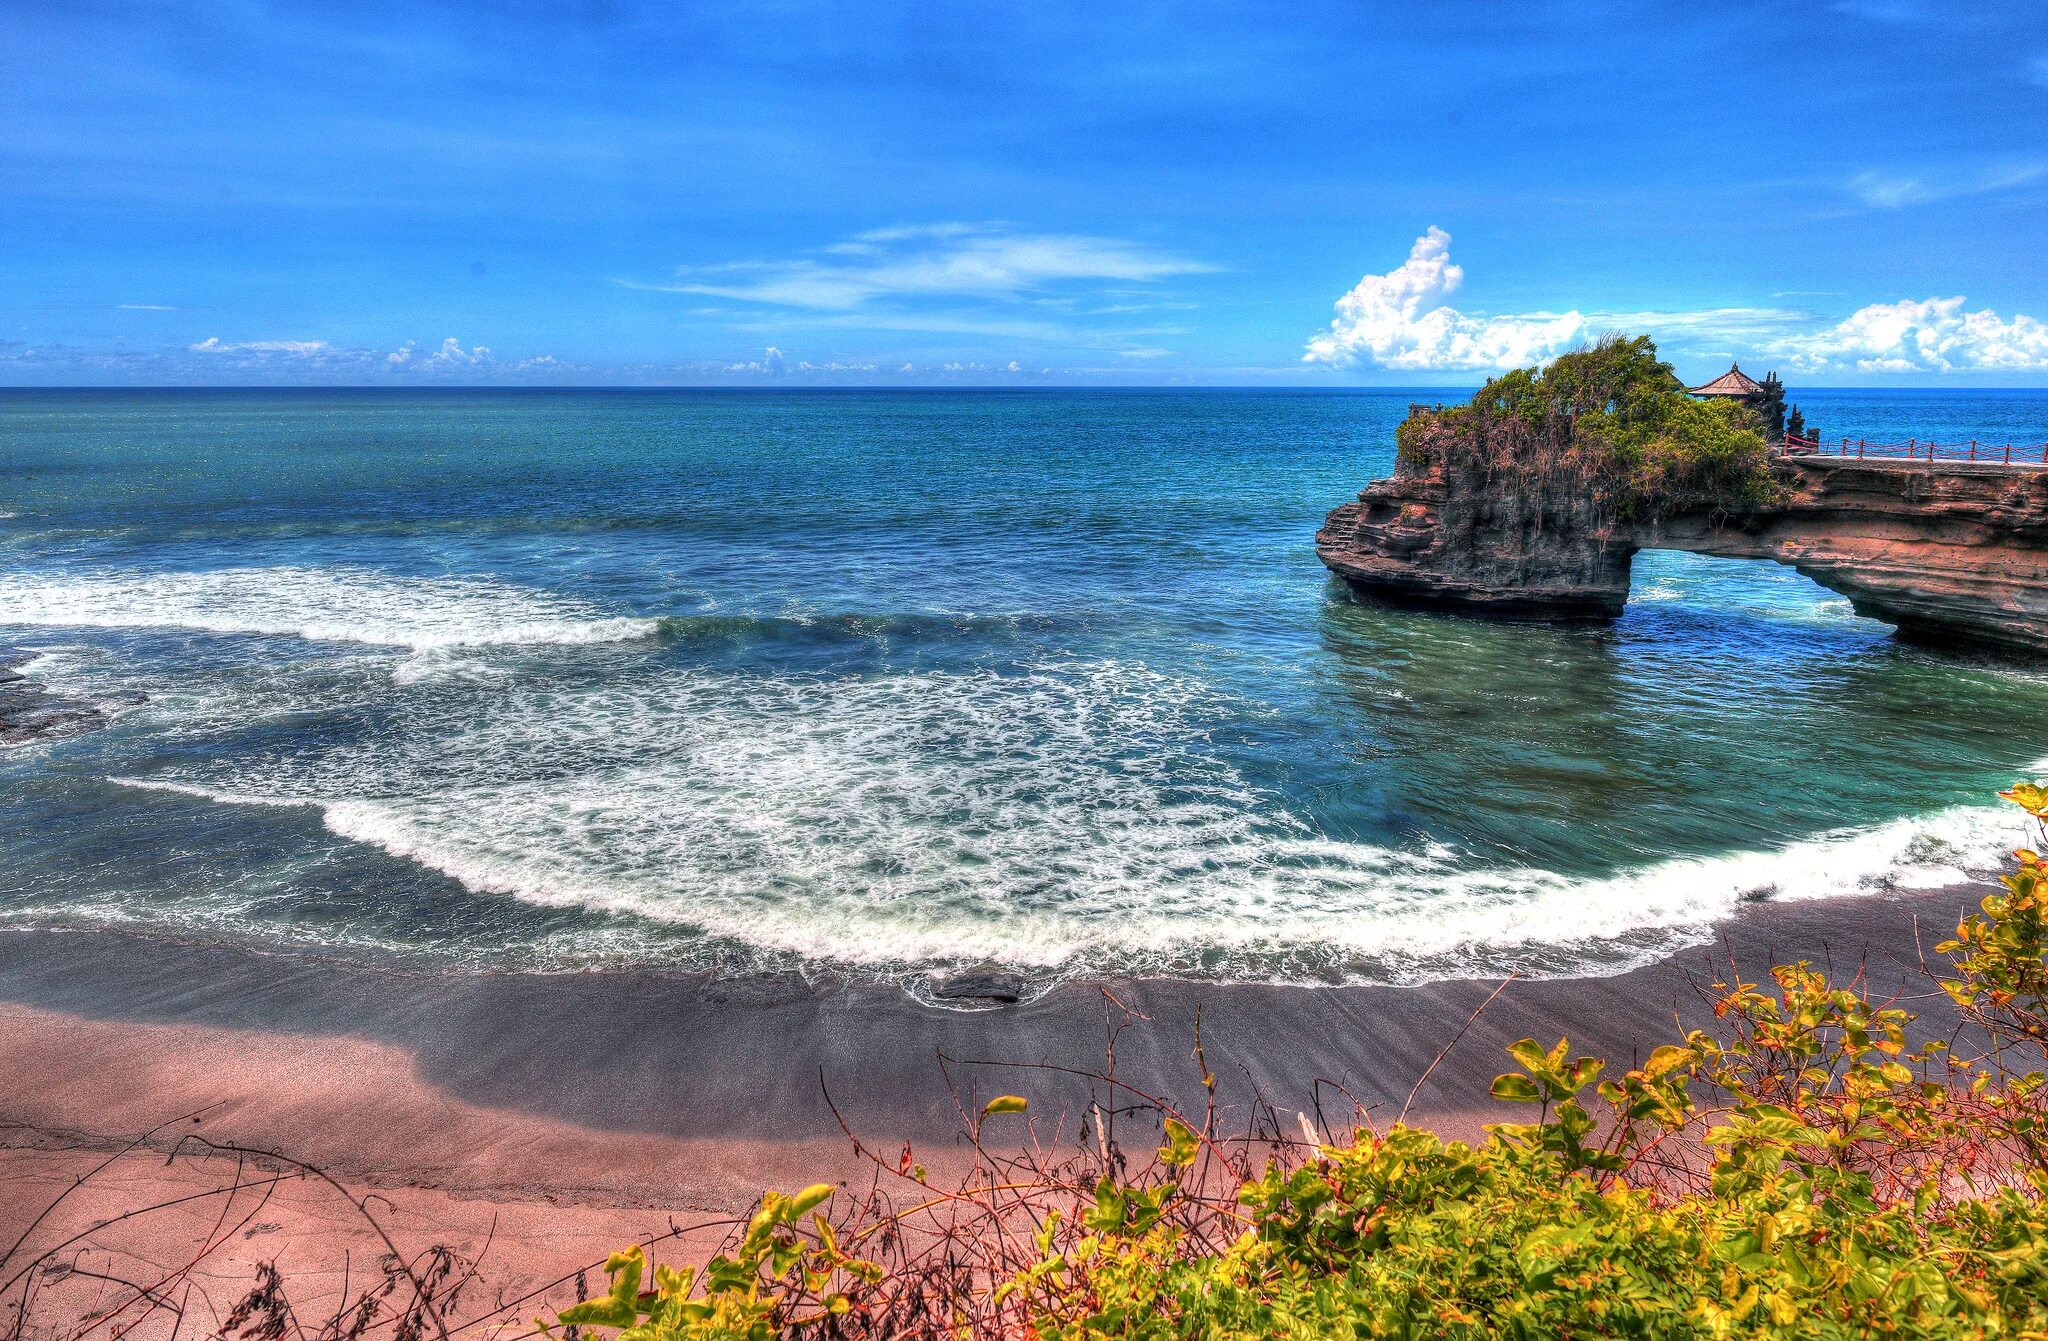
<point x="1611" y="424"/>
<point x="1803" y="1169"/>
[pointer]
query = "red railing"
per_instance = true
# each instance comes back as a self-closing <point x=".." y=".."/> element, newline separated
<point x="1912" y="449"/>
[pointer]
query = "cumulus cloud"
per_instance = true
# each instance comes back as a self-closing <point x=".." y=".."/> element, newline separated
<point x="1403" y="320"/>
<point x="451" y="354"/>
<point x="1923" y="335"/>
<point x="772" y="360"/>
<point x="950" y="260"/>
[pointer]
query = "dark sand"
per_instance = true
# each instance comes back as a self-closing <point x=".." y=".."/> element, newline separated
<point x="574" y="1111"/>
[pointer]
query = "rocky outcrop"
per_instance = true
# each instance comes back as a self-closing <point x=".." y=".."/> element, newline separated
<point x="1947" y="552"/>
<point x="29" y="712"/>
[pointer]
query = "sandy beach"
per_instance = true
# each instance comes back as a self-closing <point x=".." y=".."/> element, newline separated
<point x="554" y="1116"/>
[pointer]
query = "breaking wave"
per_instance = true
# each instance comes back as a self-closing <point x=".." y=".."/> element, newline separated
<point x="1072" y="818"/>
<point x="348" y="605"/>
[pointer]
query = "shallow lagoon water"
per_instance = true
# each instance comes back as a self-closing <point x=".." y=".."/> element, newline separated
<point x="886" y="683"/>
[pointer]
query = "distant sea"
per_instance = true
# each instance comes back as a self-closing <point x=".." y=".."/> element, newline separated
<point x="881" y="684"/>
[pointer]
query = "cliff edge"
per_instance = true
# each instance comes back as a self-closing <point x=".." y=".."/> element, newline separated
<point x="1946" y="551"/>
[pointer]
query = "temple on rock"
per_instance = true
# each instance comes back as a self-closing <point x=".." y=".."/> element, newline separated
<point x="1734" y="382"/>
<point x="1765" y="399"/>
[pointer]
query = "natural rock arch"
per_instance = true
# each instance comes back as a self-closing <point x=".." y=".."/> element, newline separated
<point x="1946" y="551"/>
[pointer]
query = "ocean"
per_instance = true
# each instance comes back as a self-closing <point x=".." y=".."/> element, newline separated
<point x="886" y="684"/>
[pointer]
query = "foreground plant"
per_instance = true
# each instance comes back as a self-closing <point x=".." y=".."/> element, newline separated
<point x="1804" y="1169"/>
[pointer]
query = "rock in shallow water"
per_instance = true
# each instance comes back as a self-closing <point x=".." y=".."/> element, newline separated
<point x="981" y="985"/>
<point x="29" y="712"/>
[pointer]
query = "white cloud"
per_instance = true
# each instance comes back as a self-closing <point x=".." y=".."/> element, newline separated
<point x="1402" y="320"/>
<point x="953" y="260"/>
<point x="772" y="360"/>
<point x="303" y="348"/>
<point x="1891" y="190"/>
<point x="1725" y="324"/>
<point x="940" y="323"/>
<point x="1923" y="335"/>
<point x="451" y="354"/>
<point x="291" y="363"/>
<point x="143" y="307"/>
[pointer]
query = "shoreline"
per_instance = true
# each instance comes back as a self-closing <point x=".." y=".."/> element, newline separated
<point x="578" y="1112"/>
<point x="649" y="1054"/>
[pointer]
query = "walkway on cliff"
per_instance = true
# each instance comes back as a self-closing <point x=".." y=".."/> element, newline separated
<point x="2033" y="456"/>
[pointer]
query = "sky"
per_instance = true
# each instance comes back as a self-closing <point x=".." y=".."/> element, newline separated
<point x="611" y="192"/>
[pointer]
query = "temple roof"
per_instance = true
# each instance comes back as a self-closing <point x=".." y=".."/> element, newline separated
<point x="1734" y="382"/>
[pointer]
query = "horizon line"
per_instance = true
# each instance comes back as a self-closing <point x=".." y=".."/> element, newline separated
<point x="885" y="386"/>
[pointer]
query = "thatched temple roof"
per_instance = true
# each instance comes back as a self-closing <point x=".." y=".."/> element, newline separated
<point x="1734" y="382"/>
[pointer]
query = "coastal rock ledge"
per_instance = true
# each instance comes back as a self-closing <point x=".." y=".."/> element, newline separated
<point x="1947" y="552"/>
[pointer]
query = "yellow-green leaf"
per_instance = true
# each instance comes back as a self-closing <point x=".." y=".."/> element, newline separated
<point x="810" y="1197"/>
<point x="2029" y="797"/>
<point x="1180" y="1147"/>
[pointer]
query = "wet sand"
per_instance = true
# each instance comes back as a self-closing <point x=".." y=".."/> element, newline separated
<point x="572" y="1112"/>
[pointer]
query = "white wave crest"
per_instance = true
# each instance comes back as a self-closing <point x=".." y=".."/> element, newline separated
<point x="353" y="605"/>
<point x="1070" y="818"/>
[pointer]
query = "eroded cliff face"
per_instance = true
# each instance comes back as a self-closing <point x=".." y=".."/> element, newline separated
<point x="1948" y="552"/>
<point x="1463" y="535"/>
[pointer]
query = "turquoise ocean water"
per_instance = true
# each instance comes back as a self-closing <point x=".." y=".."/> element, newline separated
<point x="884" y="683"/>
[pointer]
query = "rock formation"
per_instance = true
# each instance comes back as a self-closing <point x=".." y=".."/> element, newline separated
<point x="1946" y="551"/>
<point x="29" y="712"/>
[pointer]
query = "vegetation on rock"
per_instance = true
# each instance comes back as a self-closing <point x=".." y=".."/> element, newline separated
<point x="1803" y="1169"/>
<point x="1611" y="424"/>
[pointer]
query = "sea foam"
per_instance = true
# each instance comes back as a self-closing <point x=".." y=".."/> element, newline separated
<point x="1072" y="818"/>
<point x="347" y="604"/>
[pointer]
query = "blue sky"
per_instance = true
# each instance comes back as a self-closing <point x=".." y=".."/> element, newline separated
<point x="241" y="193"/>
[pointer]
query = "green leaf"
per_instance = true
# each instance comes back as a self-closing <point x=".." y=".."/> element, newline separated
<point x="1005" y="1103"/>
<point x="617" y="1308"/>
<point x="1106" y="1216"/>
<point x="1515" y="1089"/>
